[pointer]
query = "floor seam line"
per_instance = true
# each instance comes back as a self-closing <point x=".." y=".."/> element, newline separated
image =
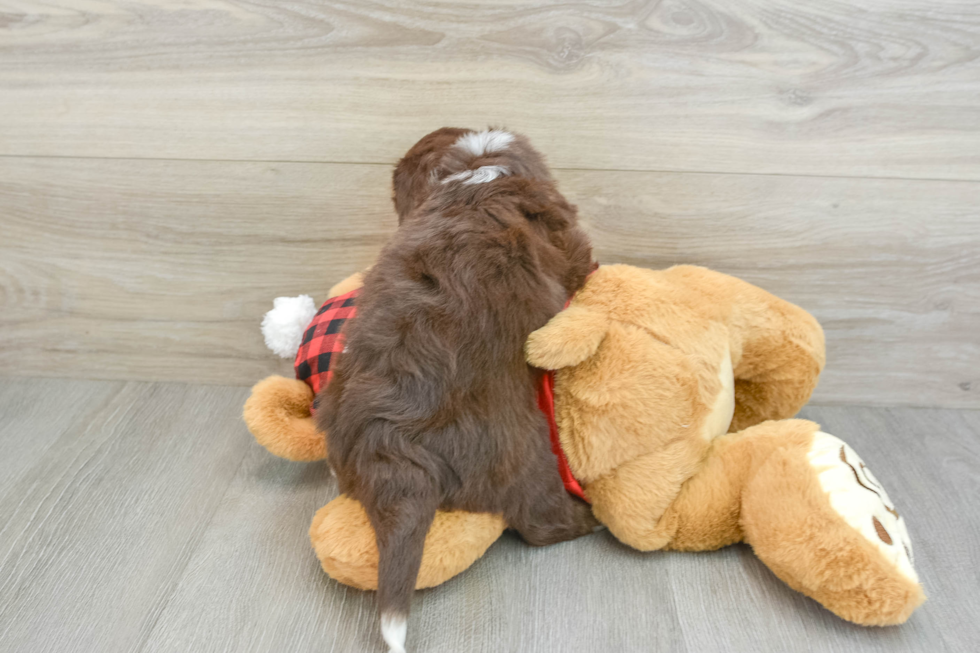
<point x="801" y="175"/>
<point x="179" y="576"/>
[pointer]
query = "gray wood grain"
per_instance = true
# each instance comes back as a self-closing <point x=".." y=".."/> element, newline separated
<point x="101" y="524"/>
<point x="155" y="524"/>
<point x="887" y="89"/>
<point x="890" y="271"/>
<point x="31" y="427"/>
<point x="162" y="270"/>
<point x="929" y="461"/>
<point x="255" y="566"/>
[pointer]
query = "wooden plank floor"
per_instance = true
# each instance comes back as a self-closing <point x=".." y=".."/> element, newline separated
<point x="142" y="517"/>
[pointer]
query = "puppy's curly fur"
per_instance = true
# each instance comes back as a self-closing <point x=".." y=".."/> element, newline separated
<point x="433" y="405"/>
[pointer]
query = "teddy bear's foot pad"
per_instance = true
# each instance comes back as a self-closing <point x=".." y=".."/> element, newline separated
<point x="818" y="518"/>
<point x="857" y="496"/>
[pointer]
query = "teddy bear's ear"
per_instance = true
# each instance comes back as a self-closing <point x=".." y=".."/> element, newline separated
<point x="355" y="280"/>
<point x="568" y="339"/>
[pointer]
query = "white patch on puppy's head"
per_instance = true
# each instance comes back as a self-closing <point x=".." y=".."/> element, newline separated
<point x="479" y="176"/>
<point x="485" y="142"/>
<point x="459" y="176"/>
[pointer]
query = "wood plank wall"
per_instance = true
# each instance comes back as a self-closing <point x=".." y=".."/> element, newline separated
<point x="166" y="169"/>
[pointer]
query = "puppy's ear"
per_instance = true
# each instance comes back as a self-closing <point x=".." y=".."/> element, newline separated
<point x="417" y="171"/>
<point x="567" y="339"/>
<point x="410" y="184"/>
<point x="541" y="202"/>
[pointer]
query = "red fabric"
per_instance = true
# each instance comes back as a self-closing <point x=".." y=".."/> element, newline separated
<point x="546" y="402"/>
<point x="323" y="340"/>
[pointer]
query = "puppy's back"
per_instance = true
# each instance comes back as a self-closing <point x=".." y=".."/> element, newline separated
<point x="432" y="403"/>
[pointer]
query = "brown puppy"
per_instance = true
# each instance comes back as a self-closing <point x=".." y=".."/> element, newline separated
<point x="433" y="405"/>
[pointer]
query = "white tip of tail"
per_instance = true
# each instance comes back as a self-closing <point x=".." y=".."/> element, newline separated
<point x="394" y="628"/>
<point x="283" y="326"/>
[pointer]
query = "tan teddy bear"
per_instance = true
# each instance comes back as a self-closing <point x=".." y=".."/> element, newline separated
<point x="672" y="389"/>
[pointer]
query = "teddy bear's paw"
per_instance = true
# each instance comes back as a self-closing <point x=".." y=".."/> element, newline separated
<point x="861" y="501"/>
<point x="277" y="413"/>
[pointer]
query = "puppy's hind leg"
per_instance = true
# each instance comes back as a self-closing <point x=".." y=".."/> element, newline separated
<point x="401" y="506"/>
<point x="543" y="512"/>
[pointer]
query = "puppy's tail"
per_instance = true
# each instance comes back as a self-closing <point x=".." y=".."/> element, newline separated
<point x="402" y="508"/>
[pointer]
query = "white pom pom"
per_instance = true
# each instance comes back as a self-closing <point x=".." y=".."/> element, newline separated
<point x="283" y="326"/>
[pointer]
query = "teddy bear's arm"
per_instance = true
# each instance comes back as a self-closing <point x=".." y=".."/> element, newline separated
<point x="568" y="338"/>
<point x="277" y="413"/>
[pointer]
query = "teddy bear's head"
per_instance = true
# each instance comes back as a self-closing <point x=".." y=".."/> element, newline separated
<point x="640" y="368"/>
